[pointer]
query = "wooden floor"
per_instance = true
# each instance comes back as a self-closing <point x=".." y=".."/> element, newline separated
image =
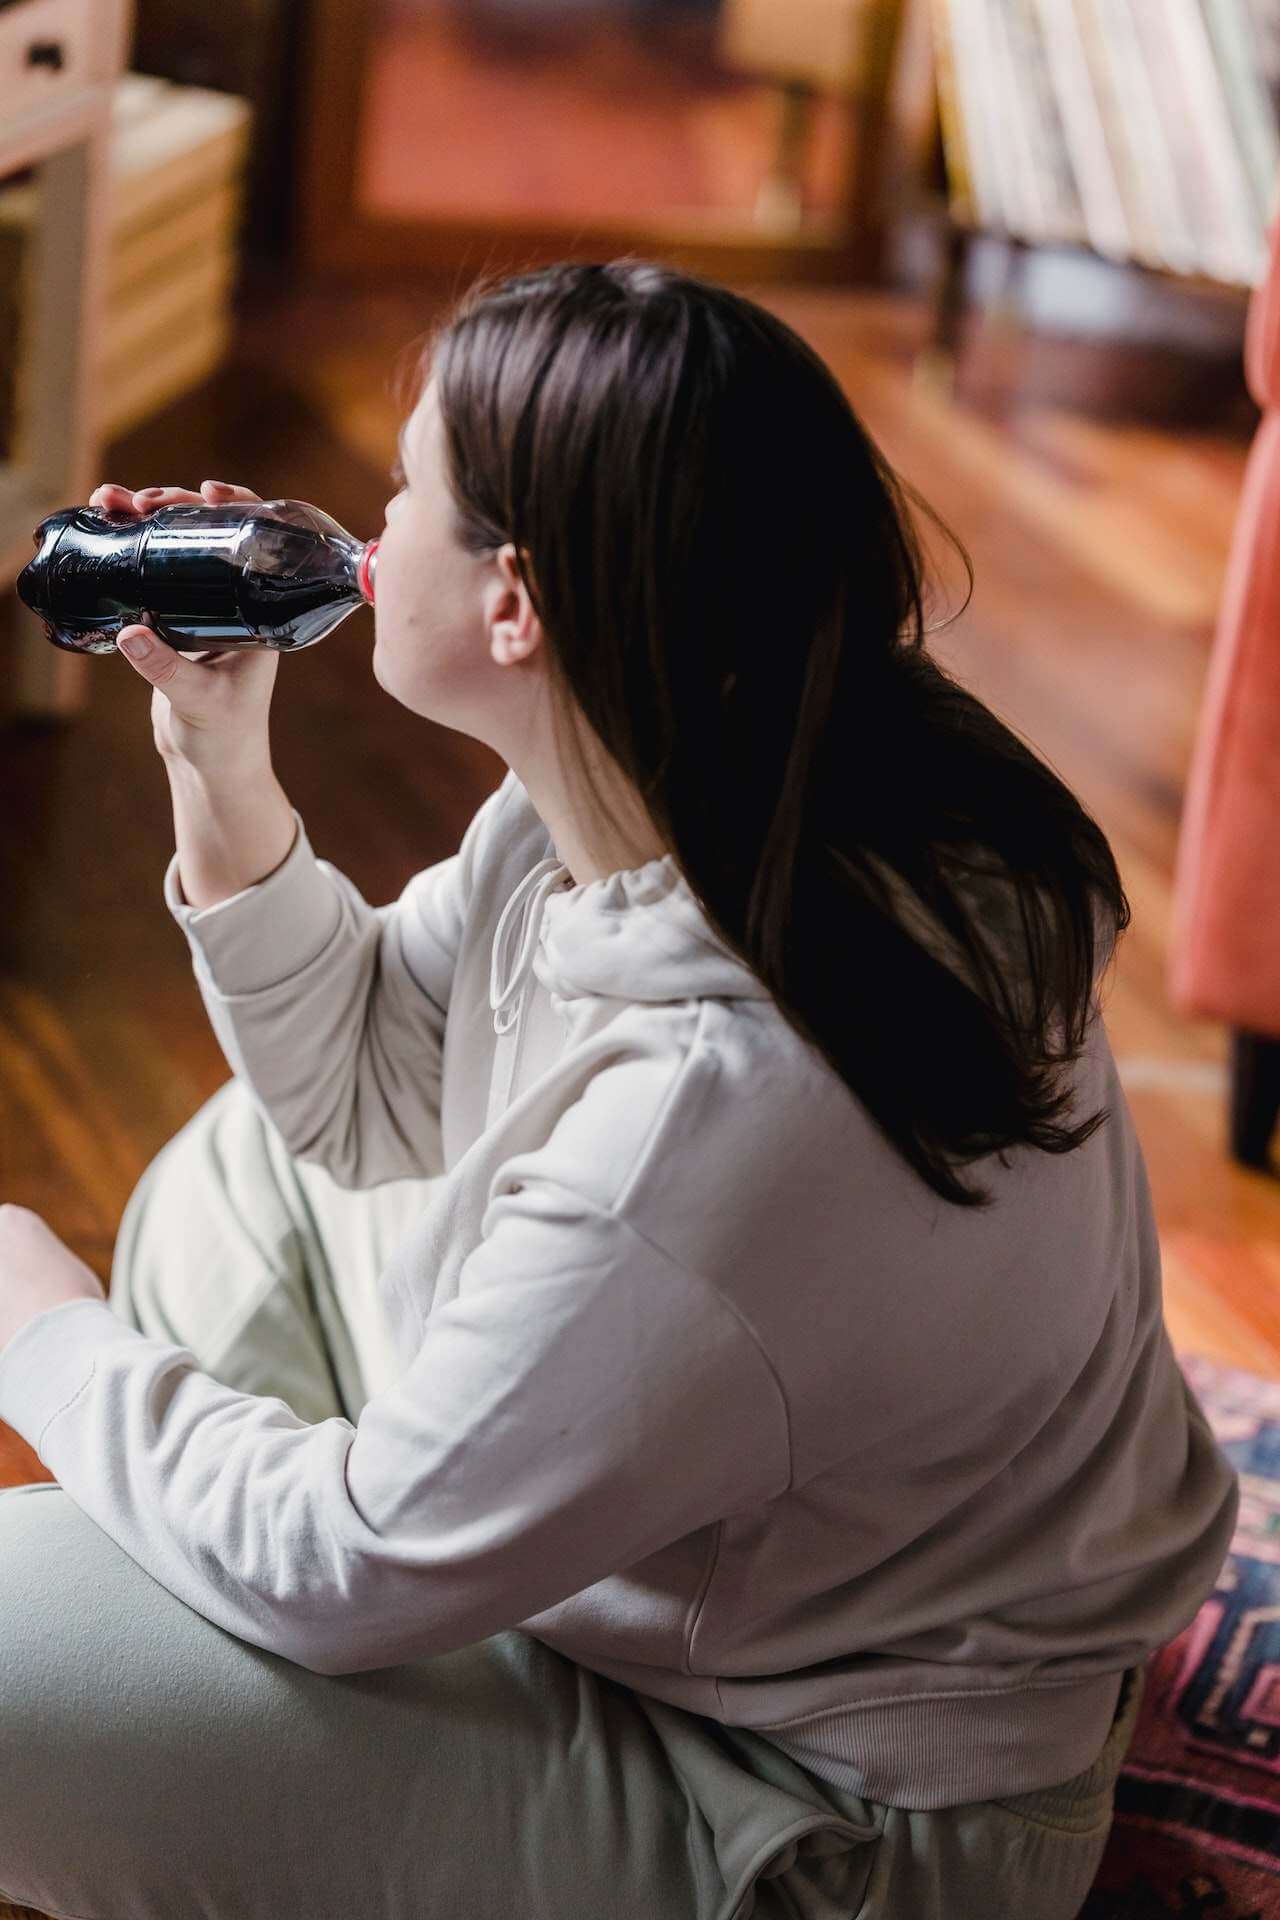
<point x="1099" y="545"/>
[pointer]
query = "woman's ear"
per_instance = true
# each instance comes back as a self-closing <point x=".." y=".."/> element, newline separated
<point x="514" y="628"/>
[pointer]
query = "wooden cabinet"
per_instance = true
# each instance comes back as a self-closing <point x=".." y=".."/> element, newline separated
<point x="59" y="62"/>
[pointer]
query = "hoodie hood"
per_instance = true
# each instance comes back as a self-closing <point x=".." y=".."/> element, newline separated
<point x="638" y="934"/>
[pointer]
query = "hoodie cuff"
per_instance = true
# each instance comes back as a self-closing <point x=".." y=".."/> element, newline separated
<point x="51" y="1358"/>
<point x="266" y="933"/>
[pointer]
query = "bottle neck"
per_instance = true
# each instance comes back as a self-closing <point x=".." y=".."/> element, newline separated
<point x="366" y="569"/>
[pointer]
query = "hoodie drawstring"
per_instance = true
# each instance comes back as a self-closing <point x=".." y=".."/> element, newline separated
<point x="513" y="948"/>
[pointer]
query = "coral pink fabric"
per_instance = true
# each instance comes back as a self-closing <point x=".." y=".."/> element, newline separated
<point x="1224" y="949"/>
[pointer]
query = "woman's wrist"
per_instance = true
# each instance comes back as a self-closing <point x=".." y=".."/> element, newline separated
<point x="232" y="830"/>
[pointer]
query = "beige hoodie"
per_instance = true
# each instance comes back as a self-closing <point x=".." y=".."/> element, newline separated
<point x="702" y="1385"/>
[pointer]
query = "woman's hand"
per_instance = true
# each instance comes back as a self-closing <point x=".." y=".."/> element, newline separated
<point x="208" y="710"/>
<point x="37" y="1271"/>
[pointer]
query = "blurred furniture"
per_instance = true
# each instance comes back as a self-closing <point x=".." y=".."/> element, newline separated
<point x="177" y="197"/>
<point x="1150" y="136"/>
<point x="875" y="58"/>
<point x="1224" y="948"/>
<point x="175" y="168"/>
<point x="59" y="60"/>
<point x="851" y="53"/>
<point x="248" y="48"/>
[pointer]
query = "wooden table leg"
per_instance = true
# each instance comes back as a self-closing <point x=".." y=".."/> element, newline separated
<point x="780" y="201"/>
<point x="936" y="364"/>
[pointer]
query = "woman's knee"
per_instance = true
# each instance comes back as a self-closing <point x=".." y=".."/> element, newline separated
<point x="68" y="1725"/>
<point x="153" y="1765"/>
<point x="115" y="1729"/>
<point x="203" y="1228"/>
<point x="62" y="1604"/>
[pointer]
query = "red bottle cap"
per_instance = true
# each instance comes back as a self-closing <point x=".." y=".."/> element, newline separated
<point x="366" y="570"/>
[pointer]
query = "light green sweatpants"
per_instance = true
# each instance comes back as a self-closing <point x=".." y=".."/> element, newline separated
<point x="154" y="1767"/>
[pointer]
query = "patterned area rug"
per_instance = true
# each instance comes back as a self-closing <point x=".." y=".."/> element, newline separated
<point x="1197" y="1826"/>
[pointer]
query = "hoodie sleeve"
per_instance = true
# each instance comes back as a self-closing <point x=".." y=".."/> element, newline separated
<point x="582" y="1402"/>
<point x="332" y="1012"/>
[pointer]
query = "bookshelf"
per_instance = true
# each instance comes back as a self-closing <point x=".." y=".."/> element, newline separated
<point x="1145" y="131"/>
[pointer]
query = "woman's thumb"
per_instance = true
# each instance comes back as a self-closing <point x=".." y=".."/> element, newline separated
<point x="156" y="661"/>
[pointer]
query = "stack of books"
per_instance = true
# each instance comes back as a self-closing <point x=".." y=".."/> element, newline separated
<point x="1146" y="129"/>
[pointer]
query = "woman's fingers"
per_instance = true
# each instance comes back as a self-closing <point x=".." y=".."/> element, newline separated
<point x="223" y="490"/>
<point x="113" y="499"/>
<point x="150" y="498"/>
<point x="142" y="500"/>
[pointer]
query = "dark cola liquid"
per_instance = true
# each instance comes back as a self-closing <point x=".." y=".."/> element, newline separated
<point x="272" y="573"/>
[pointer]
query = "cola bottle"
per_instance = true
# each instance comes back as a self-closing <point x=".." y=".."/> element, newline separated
<point x="258" y="573"/>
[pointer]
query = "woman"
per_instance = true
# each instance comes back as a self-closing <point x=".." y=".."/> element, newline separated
<point x="647" y="1393"/>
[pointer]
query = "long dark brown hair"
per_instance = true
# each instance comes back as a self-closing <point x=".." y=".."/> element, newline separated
<point x="732" y="591"/>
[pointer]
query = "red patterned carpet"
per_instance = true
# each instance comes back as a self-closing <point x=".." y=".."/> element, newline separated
<point x="1197" y="1825"/>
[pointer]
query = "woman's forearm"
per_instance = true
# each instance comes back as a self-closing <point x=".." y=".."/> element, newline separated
<point x="230" y="833"/>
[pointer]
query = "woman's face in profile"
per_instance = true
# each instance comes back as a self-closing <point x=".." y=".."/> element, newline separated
<point x="448" y="623"/>
<point x="427" y="598"/>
